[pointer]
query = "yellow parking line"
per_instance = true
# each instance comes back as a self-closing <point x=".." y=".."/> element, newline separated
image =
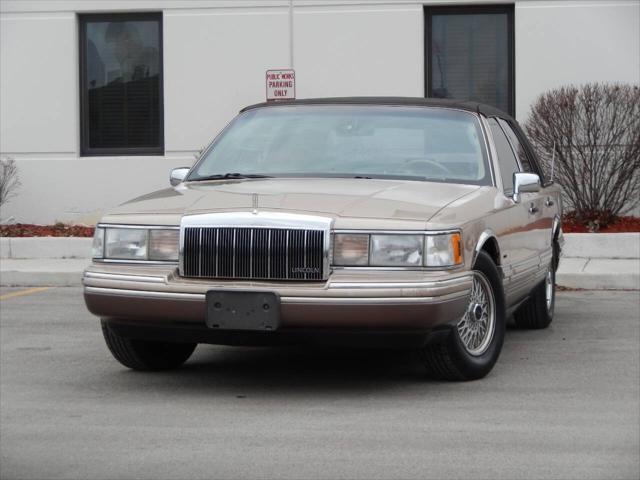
<point x="7" y="296"/>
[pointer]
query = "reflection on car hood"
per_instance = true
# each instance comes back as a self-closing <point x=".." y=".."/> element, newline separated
<point x="383" y="200"/>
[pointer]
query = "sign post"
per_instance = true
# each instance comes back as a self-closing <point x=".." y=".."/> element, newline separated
<point x="280" y="85"/>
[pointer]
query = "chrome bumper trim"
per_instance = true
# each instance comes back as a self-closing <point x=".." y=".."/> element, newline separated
<point x="460" y="280"/>
<point x="124" y="278"/>
<point x="371" y="300"/>
<point x="197" y="297"/>
<point x="200" y="297"/>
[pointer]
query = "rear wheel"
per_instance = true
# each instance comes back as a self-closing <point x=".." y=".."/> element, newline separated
<point x="472" y="347"/>
<point x="145" y="354"/>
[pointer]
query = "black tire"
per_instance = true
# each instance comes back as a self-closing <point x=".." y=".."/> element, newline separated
<point x="534" y="314"/>
<point x="144" y="354"/>
<point x="449" y="359"/>
<point x="556" y="255"/>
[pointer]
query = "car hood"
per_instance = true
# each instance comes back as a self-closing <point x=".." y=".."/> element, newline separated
<point x="352" y="203"/>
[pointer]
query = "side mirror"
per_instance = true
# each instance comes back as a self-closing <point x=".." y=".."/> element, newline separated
<point x="178" y="175"/>
<point x="525" y="183"/>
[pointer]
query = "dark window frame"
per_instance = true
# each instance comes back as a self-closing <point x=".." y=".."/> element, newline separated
<point x="508" y="129"/>
<point x="532" y="158"/>
<point x="507" y="9"/>
<point x="505" y="190"/>
<point x="85" y="149"/>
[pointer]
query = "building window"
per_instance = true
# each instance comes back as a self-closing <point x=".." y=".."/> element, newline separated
<point x="121" y="95"/>
<point x="469" y="54"/>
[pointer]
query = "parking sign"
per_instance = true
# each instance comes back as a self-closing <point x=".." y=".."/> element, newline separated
<point x="281" y="85"/>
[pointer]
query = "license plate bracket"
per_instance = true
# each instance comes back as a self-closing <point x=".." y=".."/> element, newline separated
<point x="238" y="310"/>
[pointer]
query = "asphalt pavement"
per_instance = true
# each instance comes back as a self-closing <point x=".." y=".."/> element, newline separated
<point x="560" y="403"/>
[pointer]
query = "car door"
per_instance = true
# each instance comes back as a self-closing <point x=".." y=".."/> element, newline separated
<point x="542" y="204"/>
<point x="521" y="255"/>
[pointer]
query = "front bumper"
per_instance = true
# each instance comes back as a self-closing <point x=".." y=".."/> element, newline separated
<point x="372" y="300"/>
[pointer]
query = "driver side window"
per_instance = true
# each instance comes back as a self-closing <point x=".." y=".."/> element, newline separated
<point x="506" y="157"/>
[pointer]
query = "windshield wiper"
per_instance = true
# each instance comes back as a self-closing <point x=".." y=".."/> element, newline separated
<point x="232" y="176"/>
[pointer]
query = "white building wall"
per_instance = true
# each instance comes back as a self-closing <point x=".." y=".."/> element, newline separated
<point x="359" y="50"/>
<point x="573" y="42"/>
<point x="215" y="56"/>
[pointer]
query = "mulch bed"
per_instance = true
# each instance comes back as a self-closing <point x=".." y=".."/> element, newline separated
<point x="621" y="225"/>
<point x="29" y="230"/>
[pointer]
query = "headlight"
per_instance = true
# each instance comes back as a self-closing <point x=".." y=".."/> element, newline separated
<point x="118" y="243"/>
<point x="397" y="250"/>
<point x="126" y="243"/>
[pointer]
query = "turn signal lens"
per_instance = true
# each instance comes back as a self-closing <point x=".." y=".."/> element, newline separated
<point x="443" y="250"/>
<point x="97" y="249"/>
<point x="456" y="243"/>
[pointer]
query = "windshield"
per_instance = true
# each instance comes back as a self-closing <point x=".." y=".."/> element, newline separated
<point x="416" y="143"/>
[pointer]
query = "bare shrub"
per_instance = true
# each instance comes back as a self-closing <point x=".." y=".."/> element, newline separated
<point x="595" y="130"/>
<point x="9" y="180"/>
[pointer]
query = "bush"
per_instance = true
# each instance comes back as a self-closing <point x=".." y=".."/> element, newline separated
<point x="9" y="181"/>
<point x="595" y="130"/>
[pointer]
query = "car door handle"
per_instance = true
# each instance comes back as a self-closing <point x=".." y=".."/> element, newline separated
<point x="549" y="202"/>
<point x="533" y="209"/>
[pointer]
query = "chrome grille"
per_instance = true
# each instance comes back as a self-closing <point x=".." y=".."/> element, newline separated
<point x="253" y="253"/>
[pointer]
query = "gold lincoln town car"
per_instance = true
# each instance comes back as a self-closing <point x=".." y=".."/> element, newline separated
<point x="381" y="222"/>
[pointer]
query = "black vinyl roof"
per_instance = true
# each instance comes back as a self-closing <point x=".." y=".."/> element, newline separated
<point x="486" y="110"/>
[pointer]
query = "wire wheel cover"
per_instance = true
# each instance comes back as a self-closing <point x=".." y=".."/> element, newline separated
<point x="477" y="325"/>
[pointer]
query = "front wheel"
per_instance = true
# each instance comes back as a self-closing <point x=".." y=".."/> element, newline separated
<point x="146" y="354"/>
<point x="472" y="347"/>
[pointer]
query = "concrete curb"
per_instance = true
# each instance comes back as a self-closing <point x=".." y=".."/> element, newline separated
<point x="43" y="261"/>
<point x="45" y="247"/>
<point x="42" y="272"/>
<point x="600" y="261"/>
<point x="602" y="245"/>
<point x="599" y="273"/>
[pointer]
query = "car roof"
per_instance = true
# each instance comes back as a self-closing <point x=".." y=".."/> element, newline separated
<point x="476" y="107"/>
